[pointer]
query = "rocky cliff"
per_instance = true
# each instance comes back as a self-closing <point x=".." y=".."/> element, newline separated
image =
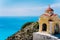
<point x="26" y="32"/>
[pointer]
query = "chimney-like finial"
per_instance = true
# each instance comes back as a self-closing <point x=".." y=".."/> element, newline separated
<point x="49" y="5"/>
<point x="49" y="9"/>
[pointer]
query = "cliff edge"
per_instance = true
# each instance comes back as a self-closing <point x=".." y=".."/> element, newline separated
<point x="26" y="32"/>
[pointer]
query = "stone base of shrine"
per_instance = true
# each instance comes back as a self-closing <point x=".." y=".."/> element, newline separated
<point x="43" y="36"/>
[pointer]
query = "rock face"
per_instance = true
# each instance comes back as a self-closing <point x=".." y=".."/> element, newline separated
<point x="26" y="33"/>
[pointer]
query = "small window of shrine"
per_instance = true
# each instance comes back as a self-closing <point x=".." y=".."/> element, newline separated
<point x="50" y="20"/>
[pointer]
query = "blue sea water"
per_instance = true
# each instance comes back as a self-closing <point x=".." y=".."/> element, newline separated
<point x="10" y="25"/>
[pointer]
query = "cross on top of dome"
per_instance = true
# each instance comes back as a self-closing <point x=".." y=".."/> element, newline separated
<point x="49" y="9"/>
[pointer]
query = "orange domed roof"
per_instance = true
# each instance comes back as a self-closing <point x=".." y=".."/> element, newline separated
<point x="49" y="9"/>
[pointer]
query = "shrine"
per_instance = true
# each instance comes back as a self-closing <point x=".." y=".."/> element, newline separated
<point x="49" y="22"/>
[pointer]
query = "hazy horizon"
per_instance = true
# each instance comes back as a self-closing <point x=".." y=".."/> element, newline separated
<point x="27" y="7"/>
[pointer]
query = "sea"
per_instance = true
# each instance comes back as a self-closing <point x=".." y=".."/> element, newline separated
<point x="10" y="25"/>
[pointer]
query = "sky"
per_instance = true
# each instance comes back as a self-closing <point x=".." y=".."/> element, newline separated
<point x="27" y="7"/>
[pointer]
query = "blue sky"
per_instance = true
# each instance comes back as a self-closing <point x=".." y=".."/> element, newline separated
<point x="27" y="7"/>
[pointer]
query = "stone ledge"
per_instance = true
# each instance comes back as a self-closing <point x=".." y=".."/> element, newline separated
<point x="43" y="36"/>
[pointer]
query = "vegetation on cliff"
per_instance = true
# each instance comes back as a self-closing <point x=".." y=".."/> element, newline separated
<point x="26" y="32"/>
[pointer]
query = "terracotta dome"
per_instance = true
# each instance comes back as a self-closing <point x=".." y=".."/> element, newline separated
<point x="49" y="9"/>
